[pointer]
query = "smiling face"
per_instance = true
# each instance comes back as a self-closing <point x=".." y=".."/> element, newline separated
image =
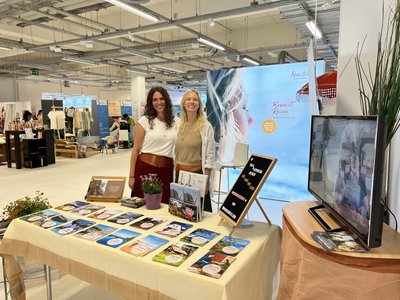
<point x="158" y="103"/>
<point x="192" y="102"/>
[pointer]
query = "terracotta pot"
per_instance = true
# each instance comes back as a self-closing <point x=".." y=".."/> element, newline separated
<point x="153" y="201"/>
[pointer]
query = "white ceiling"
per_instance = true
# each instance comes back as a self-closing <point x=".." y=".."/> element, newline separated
<point x="97" y="31"/>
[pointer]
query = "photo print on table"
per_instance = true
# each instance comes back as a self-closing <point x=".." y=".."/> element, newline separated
<point x="148" y="222"/>
<point x="35" y="217"/>
<point x="95" y="232"/>
<point x="105" y="213"/>
<point x="175" y="254"/>
<point x="118" y="238"/>
<point x="88" y="209"/>
<point x="213" y="264"/>
<point x="144" y="245"/>
<point x="72" y="227"/>
<point x="230" y="245"/>
<point x="199" y="237"/>
<point x="72" y="205"/>
<point x="125" y="218"/>
<point x="174" y="229"/>
<point x="54" y="221"/>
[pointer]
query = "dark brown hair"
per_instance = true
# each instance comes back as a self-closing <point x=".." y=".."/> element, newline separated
<point x="151" y="113"/>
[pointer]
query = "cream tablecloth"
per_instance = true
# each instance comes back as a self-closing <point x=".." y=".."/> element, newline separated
<point x="249" y="277"/>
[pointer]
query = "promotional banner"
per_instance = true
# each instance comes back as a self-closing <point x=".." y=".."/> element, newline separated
<point x="258" y="106"/>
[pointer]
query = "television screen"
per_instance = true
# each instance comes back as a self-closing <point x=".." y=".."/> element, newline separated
<point x="345" y="171"/>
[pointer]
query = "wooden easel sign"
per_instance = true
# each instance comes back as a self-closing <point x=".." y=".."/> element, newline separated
<point x="245" y="190"/>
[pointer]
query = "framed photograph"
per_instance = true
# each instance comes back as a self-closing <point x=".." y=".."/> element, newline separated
<point x="106" y="188"/>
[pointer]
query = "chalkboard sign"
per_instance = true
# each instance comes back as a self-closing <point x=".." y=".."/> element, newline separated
<point x="246" y="188"/>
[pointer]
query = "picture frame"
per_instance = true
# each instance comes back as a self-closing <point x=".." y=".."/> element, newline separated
<point x="106" y="188"/>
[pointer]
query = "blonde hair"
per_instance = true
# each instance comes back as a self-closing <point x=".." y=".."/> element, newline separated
<point x="200" y="118"/>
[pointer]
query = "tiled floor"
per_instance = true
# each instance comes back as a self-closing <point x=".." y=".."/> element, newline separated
<point x="67" y="180"/>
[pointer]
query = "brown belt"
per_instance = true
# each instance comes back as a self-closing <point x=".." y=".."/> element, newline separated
<point x="187" y="168"/>
<point x="155" y="160"/>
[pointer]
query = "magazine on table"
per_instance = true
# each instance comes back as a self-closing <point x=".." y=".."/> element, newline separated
<point x="54" y="221"/>
<point x="118" y="238"/>
<point x="183" y="210"/>
<point x="174" y="229"/>
<point x="199" y="237"/>
<point x="72" y="227"/>
<point x="44" y="214"/>
<point x="213" y="264"/>
<point x="88" y="209"/>
<point x="148" y="223"/>
<point x="341" y="241"/>
<point x="175" y="254"/>
<point x="72" y="205"/>
<point x="125" y="218"/>
<point x="144" y="245"/>
<point x="230" y="245"/>
<point x="185" y="202"/>
<point x="133" y="202"/>
<point x="95" y="232"/>
<point x="105" y="213"/>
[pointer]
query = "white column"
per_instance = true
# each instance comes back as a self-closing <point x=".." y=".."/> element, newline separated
<point x="138" y="95"/>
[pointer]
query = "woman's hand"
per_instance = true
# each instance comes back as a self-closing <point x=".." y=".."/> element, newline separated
<point x="131" y="182"/>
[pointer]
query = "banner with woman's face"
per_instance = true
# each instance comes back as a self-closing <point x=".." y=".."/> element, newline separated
<point x="258" y="106"/>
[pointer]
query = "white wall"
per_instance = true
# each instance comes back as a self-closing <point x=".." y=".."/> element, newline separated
<point x="359" y="20"/>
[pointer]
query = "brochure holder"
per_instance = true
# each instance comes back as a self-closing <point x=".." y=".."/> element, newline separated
<point x="106" y="188"/>
<point x="245" y="190"/>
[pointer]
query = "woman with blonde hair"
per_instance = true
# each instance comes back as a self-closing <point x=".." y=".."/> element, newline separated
<point x="195" y="145"/>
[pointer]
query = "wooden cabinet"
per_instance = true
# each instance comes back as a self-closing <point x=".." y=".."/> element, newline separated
<point x="35" y="153"/>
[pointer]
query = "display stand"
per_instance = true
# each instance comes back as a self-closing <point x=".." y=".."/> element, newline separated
<point x="106" y="188"/>
<point x="245" y="190"/>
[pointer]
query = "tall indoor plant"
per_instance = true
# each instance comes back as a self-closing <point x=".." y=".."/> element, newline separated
<point x="380" y="91"/>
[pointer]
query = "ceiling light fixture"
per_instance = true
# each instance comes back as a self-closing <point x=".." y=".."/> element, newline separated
<point x="211" y="22"/>
<point x="314" y="29"/>
<point x="80" y="60"/>
<point x="250" y="61"/>
<point x="131" y="36"/>
<point x="5" y="48"/>
<point x="134" y="52"/>
<point x="209" y="43"/>
<point x="133" y="10"/>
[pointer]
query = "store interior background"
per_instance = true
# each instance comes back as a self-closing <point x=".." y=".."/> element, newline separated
<point x="67" y="180"/>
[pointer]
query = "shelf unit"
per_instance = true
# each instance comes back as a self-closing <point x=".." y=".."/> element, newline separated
<point x="35" y="153"/>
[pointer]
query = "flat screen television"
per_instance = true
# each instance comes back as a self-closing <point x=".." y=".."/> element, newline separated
<point x="347" y="155"/>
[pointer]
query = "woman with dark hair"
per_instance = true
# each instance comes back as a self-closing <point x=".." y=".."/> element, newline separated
<point x="153" y="147"/>
<point x="27" y="116"/>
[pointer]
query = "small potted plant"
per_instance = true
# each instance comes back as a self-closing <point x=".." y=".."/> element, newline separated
<point x="152" y="189"/>
<point x="22" y="207"/>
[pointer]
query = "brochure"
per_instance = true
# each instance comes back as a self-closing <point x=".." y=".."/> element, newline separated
<point x="133" y="202"/>
<point x="118" y="238"/>
<point x="88" y="209"/>
<point x="174" y="229"/>
<point x="230" y="245"/>
<point x="199" y="237"/>
<point x="125" y="218"/>
<point x="72" y="227"/>
<point x="54" y="221"/>
<point x="95" y="232"/>
<point x="105" y="214"/>
<point x="72" y="205"/>
<point x="213" y="264"/>
<point x="176" y="191"/>
<point x="44" y="214"/>
<point x="175" y="254"/>
<point x="145" y="245"/>
<point x="183" y="210"/>
<point x="148" y="223"/>
<point x="342" y="241"/>
<point x="96" y="187"/>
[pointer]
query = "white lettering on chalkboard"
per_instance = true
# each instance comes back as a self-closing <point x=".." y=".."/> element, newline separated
<point x="254" y="170"/>
<point x="228" y="212"/>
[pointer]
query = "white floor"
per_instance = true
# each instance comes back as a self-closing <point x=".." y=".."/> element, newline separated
<point x="66" y="181"/>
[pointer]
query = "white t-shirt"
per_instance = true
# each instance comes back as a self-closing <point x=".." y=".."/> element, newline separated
<point x="159" y="140"/>
<point x="57" y="119"/>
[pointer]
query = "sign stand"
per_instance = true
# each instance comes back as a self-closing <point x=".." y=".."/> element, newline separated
<point x="245" y="190"/>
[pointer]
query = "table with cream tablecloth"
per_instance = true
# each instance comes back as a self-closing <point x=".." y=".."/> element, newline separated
<point x="251" y="276"/>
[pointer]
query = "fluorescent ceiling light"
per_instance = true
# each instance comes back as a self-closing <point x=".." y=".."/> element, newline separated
<point x="170" y="69"/>
<point x="134" y="52"/>
<point x="250" y="61"/>
<point x="5" y="48"/>
<point x="314" y="29"/>
<point x="80" y="60"/>
<point x="209" y="43"/>
<point x="211" y="22"/>
<point x="137" y="72"/>
<point x="133" y="10"/>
